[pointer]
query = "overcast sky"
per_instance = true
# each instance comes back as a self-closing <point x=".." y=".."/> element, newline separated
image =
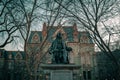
<point x="38" y="27"/>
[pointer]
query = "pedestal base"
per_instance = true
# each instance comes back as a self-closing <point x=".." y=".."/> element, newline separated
<point x="60" y="71"/>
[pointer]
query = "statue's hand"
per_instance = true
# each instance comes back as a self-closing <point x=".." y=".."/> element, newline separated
<point x="50" y="52"/>
<point x="69" y="49"/>
<point x="56" y="49"/>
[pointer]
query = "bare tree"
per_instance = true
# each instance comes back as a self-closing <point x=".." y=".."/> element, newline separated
<point x="7" y="24"/>
<point x="29" y="11"/>
<point x="51" y="15"/>
<point x="89" y="13"/>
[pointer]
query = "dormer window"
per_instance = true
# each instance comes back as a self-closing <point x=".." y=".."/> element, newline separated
<point x="18" y="56"/>
<point x="84" y="39"/>
<point x="35" y="38"/>
<point x="10" y="56"/>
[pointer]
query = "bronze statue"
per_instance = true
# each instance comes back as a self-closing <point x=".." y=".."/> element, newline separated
<point x="59" y="51"/>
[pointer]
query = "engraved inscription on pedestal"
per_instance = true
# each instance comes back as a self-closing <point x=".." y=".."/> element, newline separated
<point x="61" y="75"/>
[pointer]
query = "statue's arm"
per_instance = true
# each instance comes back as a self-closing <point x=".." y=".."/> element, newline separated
<point x="52" y="47"/>
<point x="68" y="48"/>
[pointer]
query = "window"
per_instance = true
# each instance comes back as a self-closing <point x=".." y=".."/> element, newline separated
<point x="10" y="56"/>
<point x="35" y="38"/>
<point x="84" y="75"/>
<point x="18" y="56"/>
<point x="89" y="75"/>
<point x="10" y="65"/>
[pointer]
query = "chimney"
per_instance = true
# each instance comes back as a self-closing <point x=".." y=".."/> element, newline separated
<point x="75" y="33"/>
<point x="75" y="27"/>
<point x="44" y="30"/>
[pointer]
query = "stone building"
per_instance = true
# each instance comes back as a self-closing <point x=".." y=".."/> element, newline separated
<point x="83" y="52"/>
<point x="12" y="65"/>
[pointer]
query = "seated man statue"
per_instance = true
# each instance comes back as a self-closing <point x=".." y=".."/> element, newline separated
<point x="59" y="51"/>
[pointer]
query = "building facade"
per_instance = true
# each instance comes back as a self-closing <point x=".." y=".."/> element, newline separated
<point x="12" y="65"/>
<point x="83" y="52"/>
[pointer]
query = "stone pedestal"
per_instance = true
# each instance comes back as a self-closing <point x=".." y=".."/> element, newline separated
<point x="60" y="71"/>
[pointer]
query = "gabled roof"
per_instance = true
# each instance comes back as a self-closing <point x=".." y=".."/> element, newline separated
<point x="13" y="54"/>
<point x="85" y="33"/>
<point x="32" y="34"/>
<point x="68" y="30"/>
<point x="50" y="33"/>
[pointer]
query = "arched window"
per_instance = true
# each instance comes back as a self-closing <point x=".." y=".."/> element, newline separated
<point x="10" y="56"/>
<point x="18" y="56"/>
<point x="35" y="38"/>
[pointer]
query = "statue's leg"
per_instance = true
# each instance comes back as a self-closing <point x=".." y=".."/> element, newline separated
<point x="58" y="57"/>
<point x="65" y="61"/>
<point x="65" y="57"/>
<point x="53" y="58"/>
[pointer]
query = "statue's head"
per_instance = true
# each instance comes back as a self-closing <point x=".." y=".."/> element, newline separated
<point x="59" y="36"/>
